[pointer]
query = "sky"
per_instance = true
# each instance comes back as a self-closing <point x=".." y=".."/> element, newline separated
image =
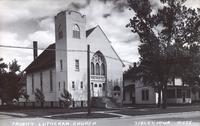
<point x="25" y="21"/>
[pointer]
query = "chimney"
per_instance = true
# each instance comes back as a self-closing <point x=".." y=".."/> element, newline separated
<point x="35" y="50"/>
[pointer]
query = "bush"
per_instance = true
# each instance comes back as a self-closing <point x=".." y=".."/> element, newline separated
<point x="66" y="98"/>
<point x="39" y="97"/>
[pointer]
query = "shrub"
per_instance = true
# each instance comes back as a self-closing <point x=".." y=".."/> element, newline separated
<point x="39" y="96"/>
<point x="66" y="98"/>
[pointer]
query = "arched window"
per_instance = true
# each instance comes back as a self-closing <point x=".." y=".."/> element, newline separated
<point x="76" y="31"/>
<point x="60" y="32"/>
<point x="97" y="69"/>
<point x="102" y="69"/>
<point x="92" y="68"/>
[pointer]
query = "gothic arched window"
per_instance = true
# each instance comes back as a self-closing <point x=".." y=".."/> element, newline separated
<point x="76" y="31"/>
<point x="60" y="32"/>
<point x="92" y="68"/>
<point x="97" y="69"/>
<point x="102" y="69"/>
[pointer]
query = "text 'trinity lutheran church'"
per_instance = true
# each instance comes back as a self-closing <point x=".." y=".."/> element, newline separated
<point x="63" y="65"/>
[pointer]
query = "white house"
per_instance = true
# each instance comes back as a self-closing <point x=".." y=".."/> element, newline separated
<point x="63" y="65"/>
<point x="136" y="92"/>
<point x="177" y="93"/>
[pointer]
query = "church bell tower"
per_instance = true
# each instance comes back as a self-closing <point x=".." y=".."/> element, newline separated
<point x="71" y="56"/>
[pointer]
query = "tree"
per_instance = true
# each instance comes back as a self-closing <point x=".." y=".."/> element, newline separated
<point x="10" y="82"/>
<point x="192" y="73"/>
<point x="163" y="37"/>
<point x="2" y="66"/>
<point x="39" y="96"/>
<point x="14" y="67"/>
<point x="66" y="98"/>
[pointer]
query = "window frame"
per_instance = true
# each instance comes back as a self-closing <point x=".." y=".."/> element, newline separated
<point x="33" y="83"/>
<point x="59" y="85"/>
<point x="179" y="93"/>
<point x="60" y="32"/>
<point x="92" y="68"/>
<point x="73" y="85"/>
<point x="76" y="31"/>
<point x="145" y="94"/>
<point x="61" y="65"/>
<point x="41" y="81"/>
<point x="51" y="80"/>
<point x="171" y="93"/>
<point x="97" y="69"/>
<point x="64" y="86"/>
<point x="81" y="84"/>
<point x="77" y="65"/>
<point x="102" y="69"/>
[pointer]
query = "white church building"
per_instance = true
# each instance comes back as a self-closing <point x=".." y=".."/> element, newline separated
<point x="63" y="65"/>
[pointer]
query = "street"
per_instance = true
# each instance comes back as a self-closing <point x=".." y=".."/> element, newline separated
<point x="191" y="118"/>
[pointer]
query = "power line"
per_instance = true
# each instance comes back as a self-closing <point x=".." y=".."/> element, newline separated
<point x="68" y="50"/>
<point x="20" y="47"/>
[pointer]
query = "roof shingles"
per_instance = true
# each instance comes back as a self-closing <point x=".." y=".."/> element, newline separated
<point x="45" y="60"/>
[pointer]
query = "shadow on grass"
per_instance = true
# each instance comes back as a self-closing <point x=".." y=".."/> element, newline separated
<point x="84" y="116"/>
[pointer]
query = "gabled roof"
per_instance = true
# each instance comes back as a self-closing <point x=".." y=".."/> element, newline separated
<point x="45" y="60"/>
<point x="89" y="31"/>
<point x="110" y="44"/>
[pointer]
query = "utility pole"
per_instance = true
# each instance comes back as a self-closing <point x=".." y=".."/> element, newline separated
<point x="88" y="79"/>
